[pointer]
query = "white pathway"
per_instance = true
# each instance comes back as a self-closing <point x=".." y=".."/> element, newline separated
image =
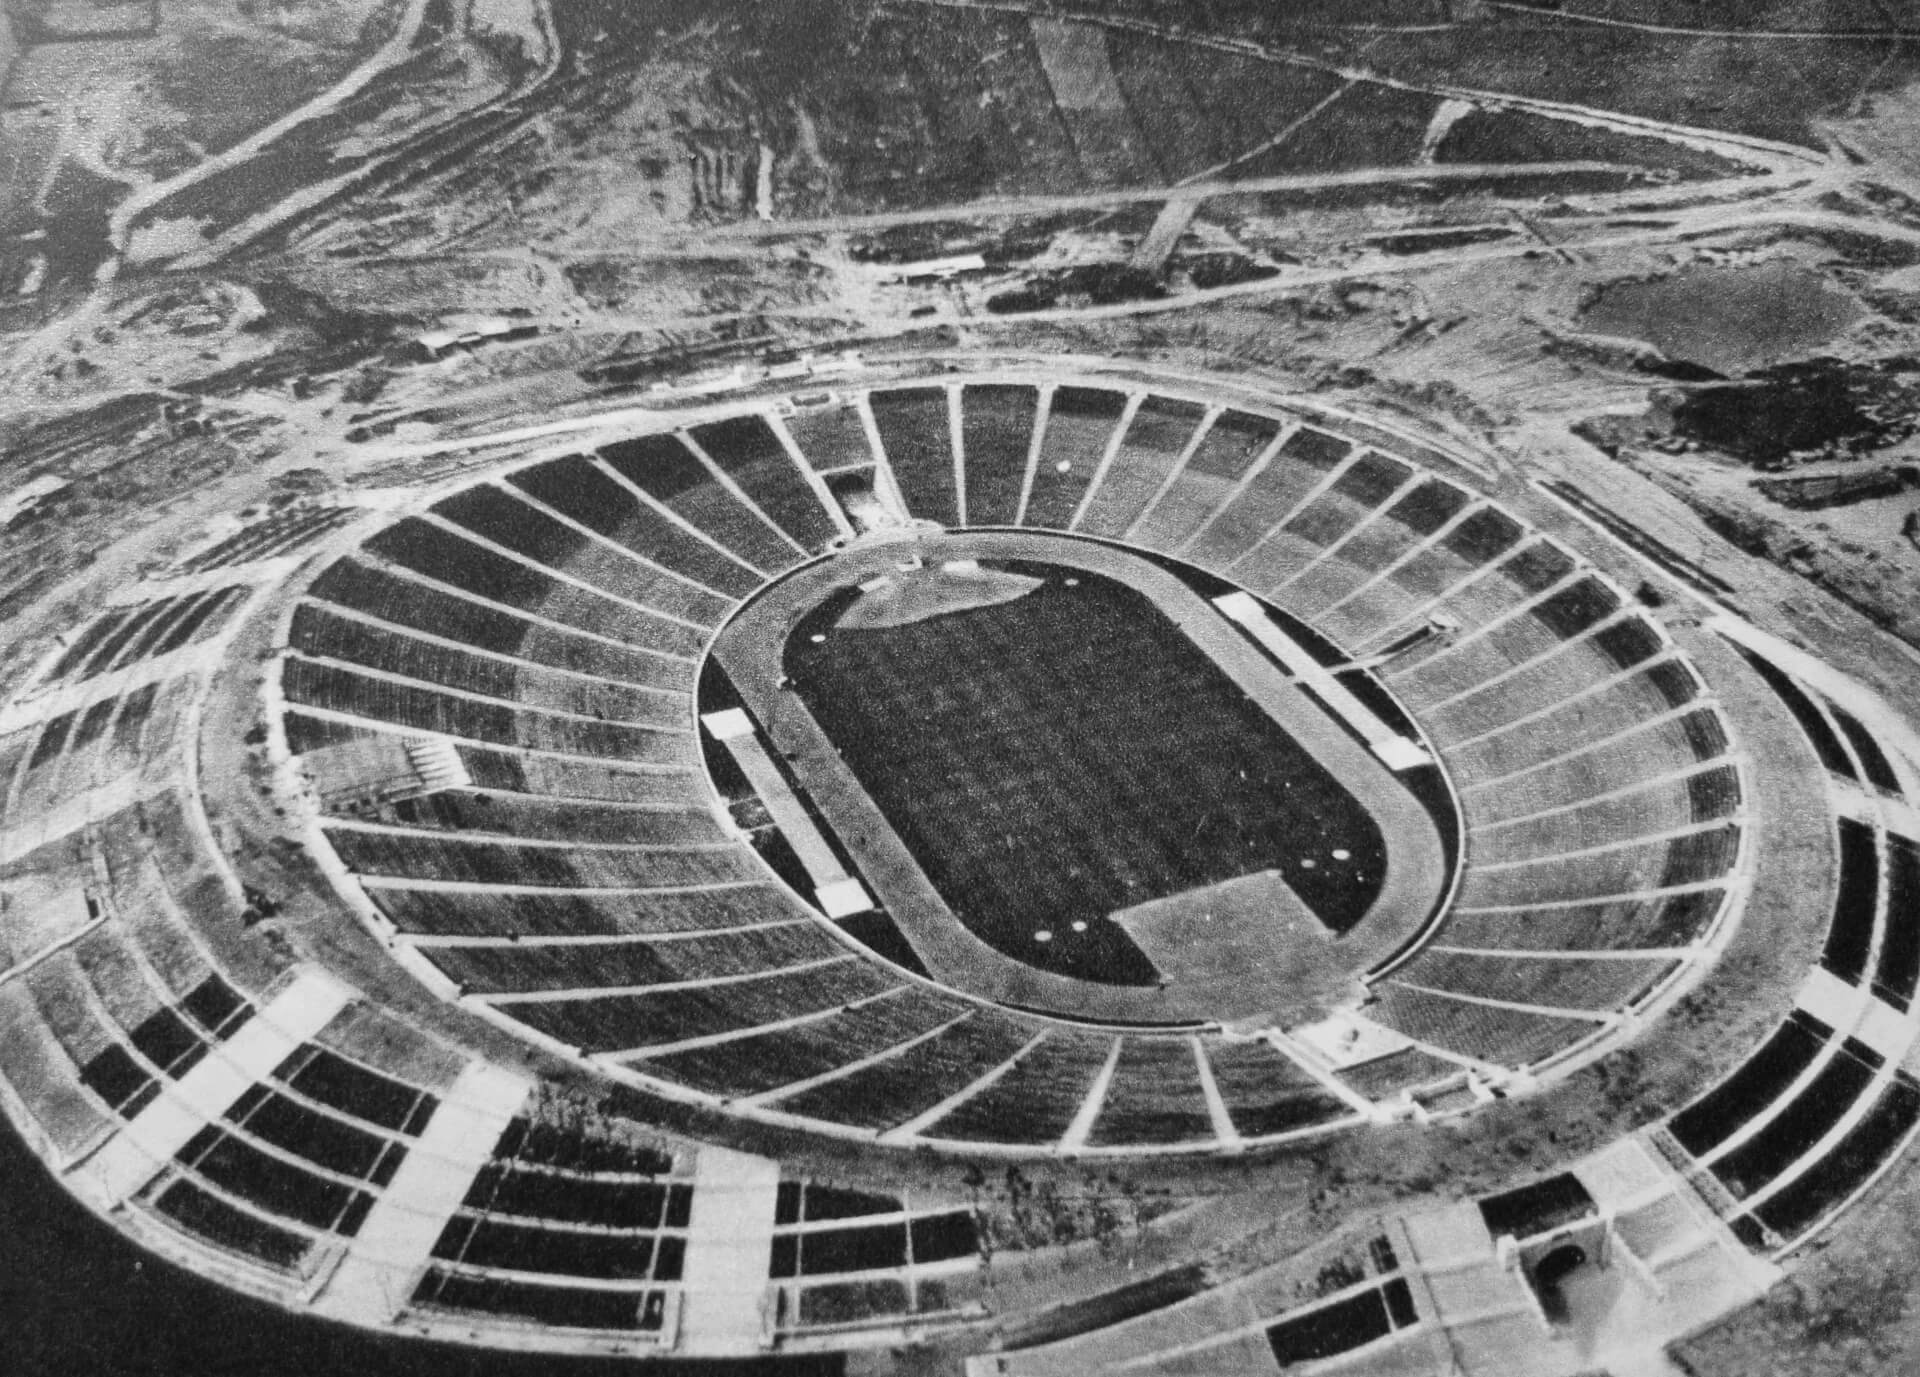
<point x="378" y="1273"/>
<point x="1856" y="1011"/>
<point x="138" y="1152"/>
<point x="839" y="895"/>
<point x="1397" y="751"/>
<point x="729" y="1244"/>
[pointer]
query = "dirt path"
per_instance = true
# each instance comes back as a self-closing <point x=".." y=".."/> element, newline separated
<point x="1003" y="207"/>
<point x="1687" y="225"/>
<point x="1640" y="26"/>
<point x="1775" y="155"/>
<point x="393" y="52"/>
<point x="317" y="193"/>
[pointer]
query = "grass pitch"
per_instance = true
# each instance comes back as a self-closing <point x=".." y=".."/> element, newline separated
<point x="1055" y="758"/>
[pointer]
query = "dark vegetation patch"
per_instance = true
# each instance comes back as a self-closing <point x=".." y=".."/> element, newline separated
<point x="1426" y="241"/>
<point x="1089" y="284"/>
<point x="1822" y="408"/>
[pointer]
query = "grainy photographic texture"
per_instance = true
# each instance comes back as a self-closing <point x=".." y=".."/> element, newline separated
<point x="995" y="688"/>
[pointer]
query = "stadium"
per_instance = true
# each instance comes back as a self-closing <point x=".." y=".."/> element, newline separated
<point x="1059" y="762"/>
<point x="962" y="687"/>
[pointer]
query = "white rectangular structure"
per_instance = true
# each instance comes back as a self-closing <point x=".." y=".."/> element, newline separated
<point x="728" y="724"/>
<point x="1831" y="1000"/>
<point x="729" y="1239"/>
<point x="1885" y="1029"/>
<point x="843" y="898"/>
<point x="376" y="1278"/>
<point x="1396" y="751"/>
<point x="137" y="1153"/>
<point x="837" y="893"/>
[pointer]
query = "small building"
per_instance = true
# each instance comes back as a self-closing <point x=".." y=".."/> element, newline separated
<point x="1817" y="491"/>
<point x="437" y="344"/>
<point x="933" y="269"/>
